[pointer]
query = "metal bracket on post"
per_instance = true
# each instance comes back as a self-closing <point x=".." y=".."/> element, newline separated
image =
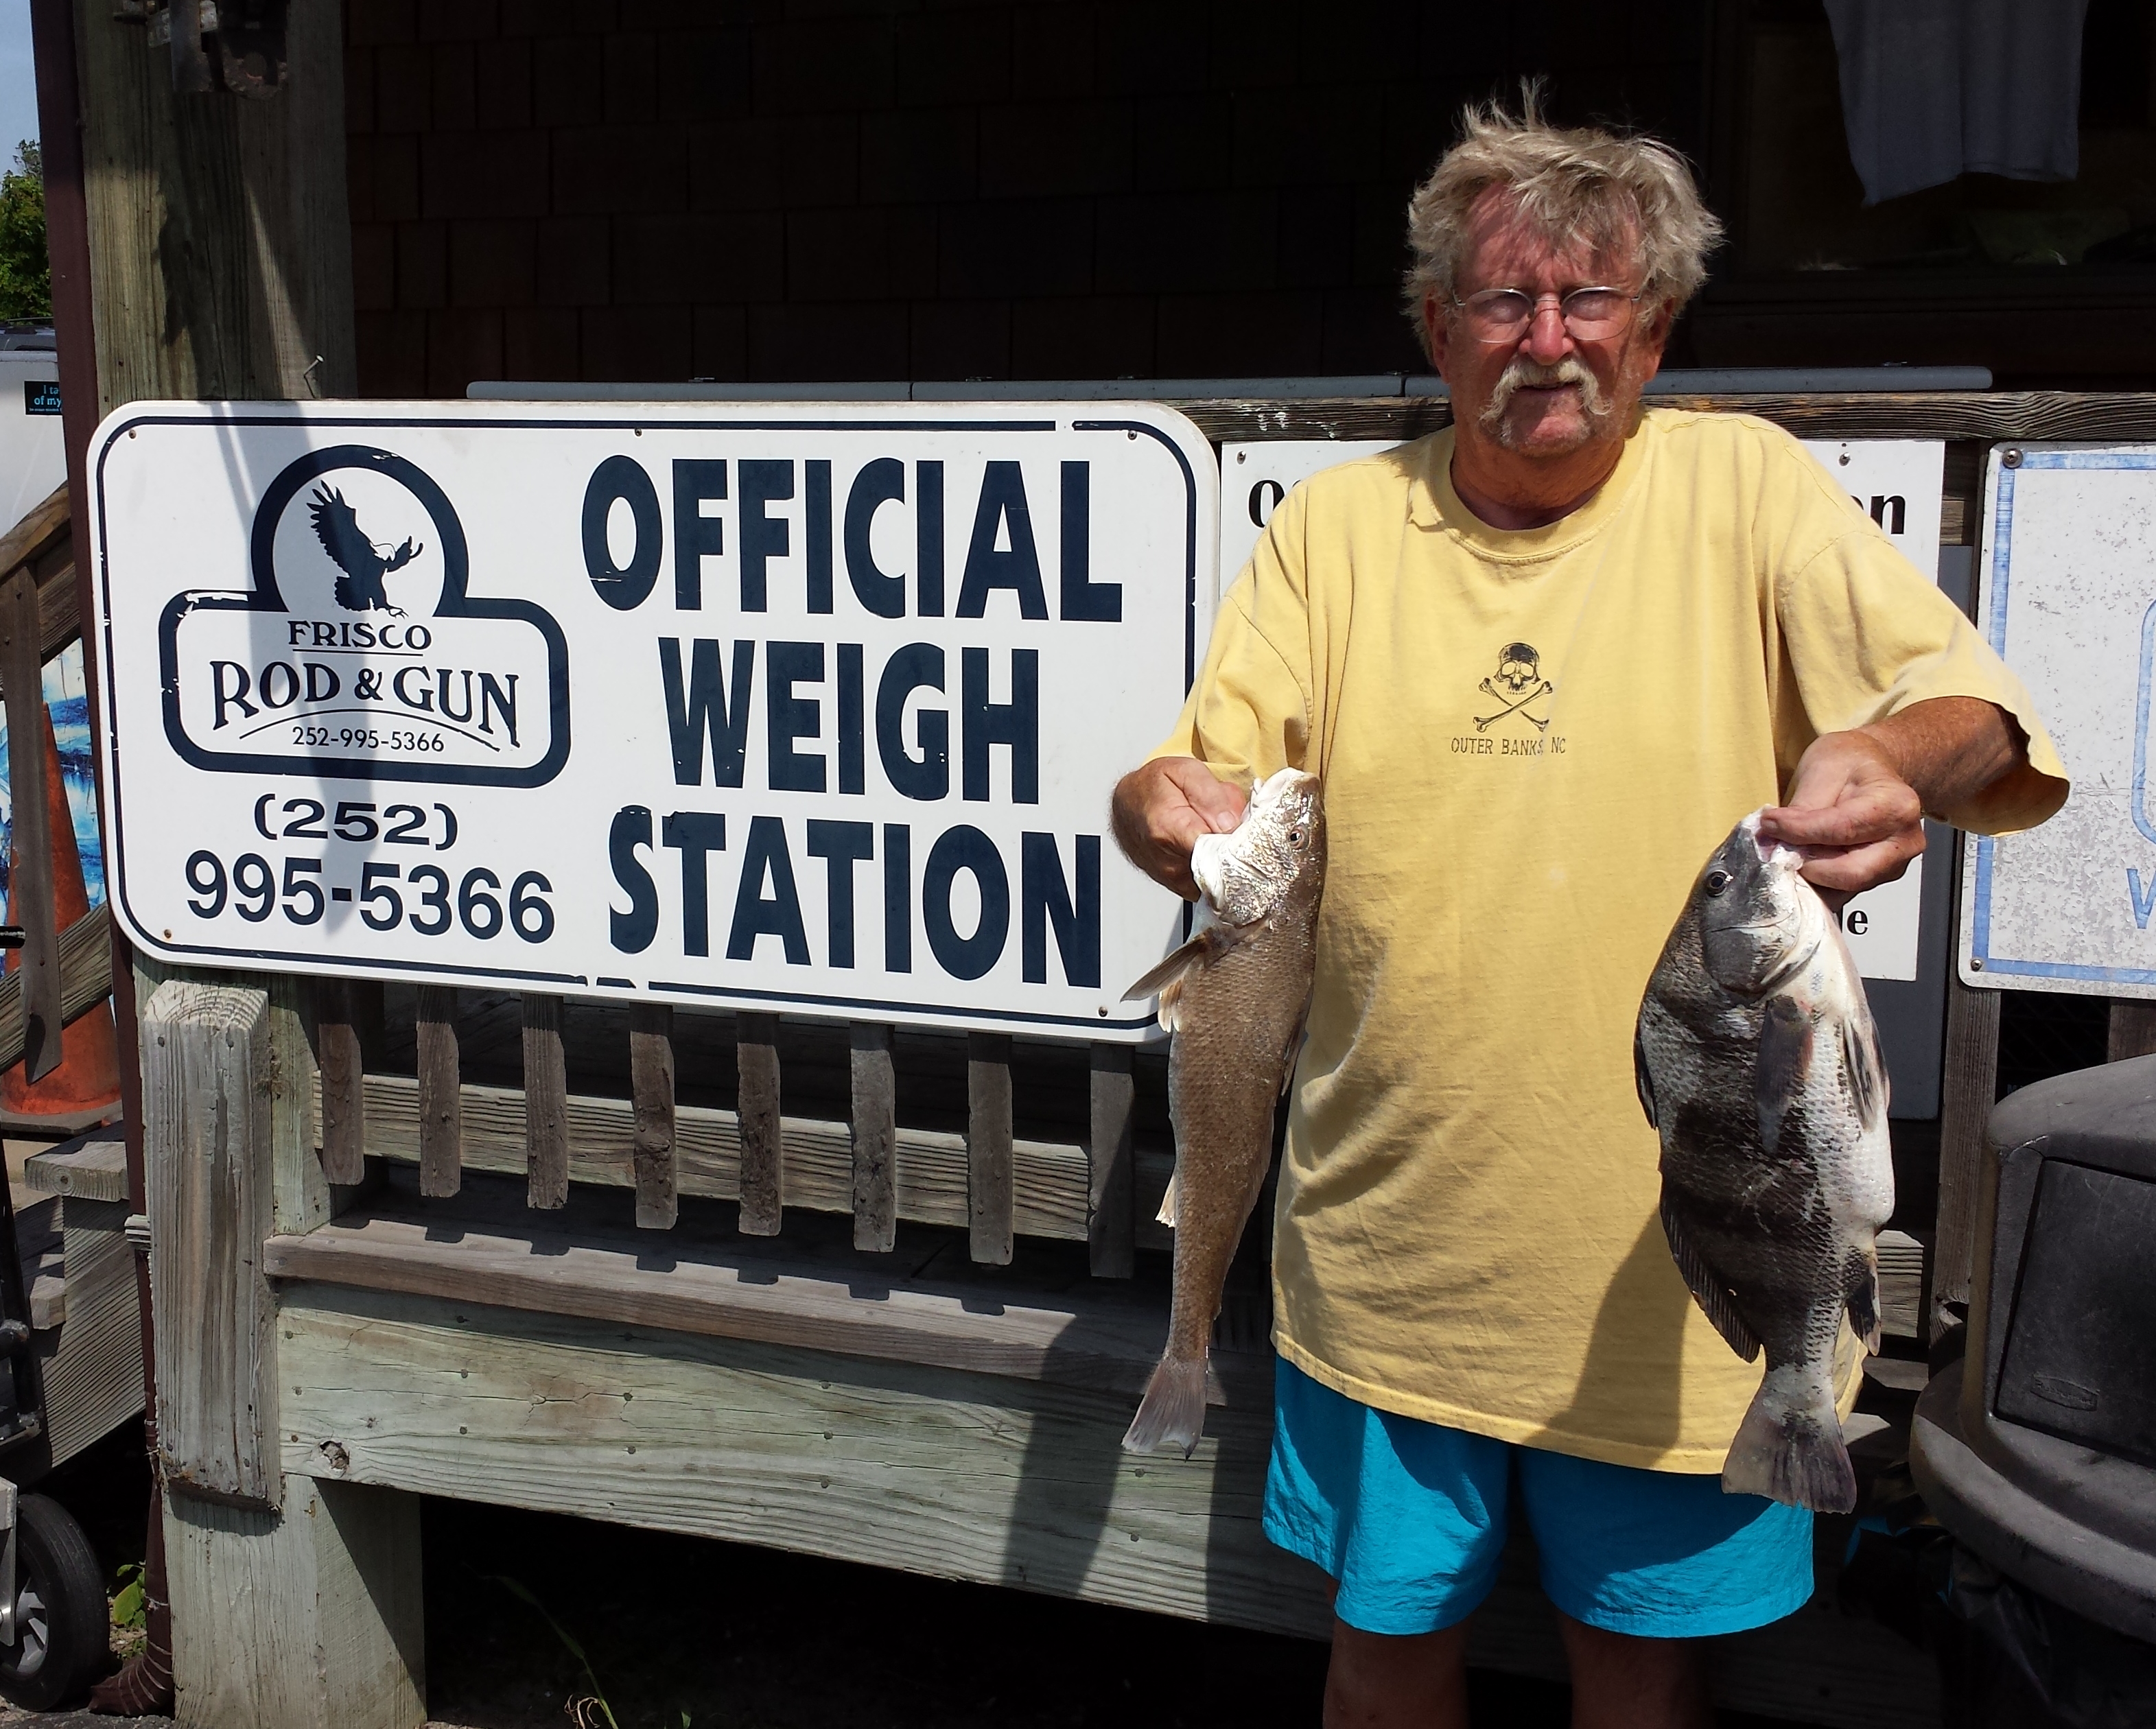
<point x="233" y="45"/>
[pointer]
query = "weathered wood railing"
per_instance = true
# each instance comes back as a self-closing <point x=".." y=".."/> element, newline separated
<point x="989" y="1182"/>
<point x="61" y="973"/>
<point x="1096" y="1186"/>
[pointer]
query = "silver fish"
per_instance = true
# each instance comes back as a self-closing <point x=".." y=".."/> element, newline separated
<point x="1757" y="1061"/>
<point x="1234" y="998"/>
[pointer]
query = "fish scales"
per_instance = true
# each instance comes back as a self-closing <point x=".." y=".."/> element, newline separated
<point x="1758" y="1064"/>
<point x="1235" y="996"/>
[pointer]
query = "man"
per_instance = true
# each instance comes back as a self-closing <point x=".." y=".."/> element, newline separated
<point x="1543" y="661"/>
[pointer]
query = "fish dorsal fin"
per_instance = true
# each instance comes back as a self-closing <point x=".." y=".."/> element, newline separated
<point x="1867" y="1075"/>
<point x="1784" y="1065"/>
<point x="1167" y="977"/>
<point x="1167" y="1215"/>
<point x="1709" y="1290"/>
<point x="1643" y="1078"/>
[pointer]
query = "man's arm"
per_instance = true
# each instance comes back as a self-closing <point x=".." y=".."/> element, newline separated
<point x="1858" y="798"/>
<point x="1162" y="808"/>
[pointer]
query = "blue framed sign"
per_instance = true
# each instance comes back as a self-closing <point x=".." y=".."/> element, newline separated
<point x="2067" y="595"/>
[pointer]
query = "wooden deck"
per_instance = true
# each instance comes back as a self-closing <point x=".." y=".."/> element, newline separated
<point x="912" y="1410"/>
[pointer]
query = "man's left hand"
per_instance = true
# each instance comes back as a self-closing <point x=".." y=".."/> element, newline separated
<point x="1858" y="821"/>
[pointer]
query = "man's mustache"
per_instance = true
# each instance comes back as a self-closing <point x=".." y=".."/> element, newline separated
<point x="1522" y="372"/>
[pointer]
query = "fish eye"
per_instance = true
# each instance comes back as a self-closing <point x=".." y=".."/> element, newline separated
<point x="1717" y="881"/>
<point x="1295" y="837"/>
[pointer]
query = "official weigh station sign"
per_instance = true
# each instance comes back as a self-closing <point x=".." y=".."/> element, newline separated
<point x="808" y="706"/>
<point x="1899" y="483"/>
<point x="2067" y="589"/>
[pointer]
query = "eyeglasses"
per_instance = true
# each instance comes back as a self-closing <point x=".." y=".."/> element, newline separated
<point x="1502" y="314"/>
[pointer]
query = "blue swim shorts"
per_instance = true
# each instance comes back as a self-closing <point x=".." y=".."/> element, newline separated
<point x="1409" y="1517"/>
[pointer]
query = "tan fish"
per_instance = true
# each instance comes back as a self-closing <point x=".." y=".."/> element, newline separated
<point x="1757" y="1061"/>
<point x="1234" y="996"/>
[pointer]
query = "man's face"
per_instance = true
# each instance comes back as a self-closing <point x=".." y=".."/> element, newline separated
<point x="1547" y="392"/>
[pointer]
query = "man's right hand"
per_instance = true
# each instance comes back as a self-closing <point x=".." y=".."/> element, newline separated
<point x="1161" y="808"/>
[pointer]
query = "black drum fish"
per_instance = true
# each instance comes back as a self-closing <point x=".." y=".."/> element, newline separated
<point x="1757" y="1062"/>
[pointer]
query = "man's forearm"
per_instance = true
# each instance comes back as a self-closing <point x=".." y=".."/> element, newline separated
<point x="1950" y="748"/>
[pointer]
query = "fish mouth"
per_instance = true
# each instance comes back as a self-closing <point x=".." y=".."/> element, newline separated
<point x="1773" y="855"/>
<point x="1275" y="789"/>
<point x="1209" y="855"/>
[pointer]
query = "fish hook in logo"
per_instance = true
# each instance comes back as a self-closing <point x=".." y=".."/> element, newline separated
<point x="1517" y="682"/>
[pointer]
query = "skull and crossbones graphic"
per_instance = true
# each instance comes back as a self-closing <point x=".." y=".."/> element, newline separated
<point x="1517" y="681"/>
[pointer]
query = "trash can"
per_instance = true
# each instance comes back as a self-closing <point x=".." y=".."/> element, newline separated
<point x="2038" y="1450"/>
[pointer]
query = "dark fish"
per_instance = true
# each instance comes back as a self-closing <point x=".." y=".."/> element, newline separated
<point x="1757" y="1061"/>
<point x="1234" y="997"/>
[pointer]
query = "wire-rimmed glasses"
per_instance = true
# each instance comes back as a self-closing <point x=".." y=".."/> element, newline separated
<point x="1591" y="315"/>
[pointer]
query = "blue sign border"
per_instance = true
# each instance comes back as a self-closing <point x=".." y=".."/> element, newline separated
<point x="1981" y="959"/>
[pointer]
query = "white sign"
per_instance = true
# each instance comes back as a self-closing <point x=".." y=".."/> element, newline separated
<point x="1254" y="478"/>
<point x="2068" y="597"/>
<point x="1900" y="483"/>
<point x="808" y="705"/>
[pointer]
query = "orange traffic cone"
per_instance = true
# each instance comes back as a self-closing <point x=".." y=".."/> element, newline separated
<point x="87" y="1078"/>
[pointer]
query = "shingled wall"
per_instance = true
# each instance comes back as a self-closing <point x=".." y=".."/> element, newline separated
<point x="833" y="189"/>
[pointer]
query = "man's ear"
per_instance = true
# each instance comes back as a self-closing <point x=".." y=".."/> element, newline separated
<point x="1653" y="336"/>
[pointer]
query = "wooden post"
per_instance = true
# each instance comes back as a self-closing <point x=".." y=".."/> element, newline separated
<point x="209" y="1132"/>
<point x="1111" y="1228"/>
<point x="756" y="1107"/>
<point x="312" y="1620"/>
<point x="875" y="1125"/>
<point x="30" y="890"/>
<point x="989" y="1147"/>
<point x="1968" y="1086"/>
<point x="220" y="232"/>
<point x="441" y="1093"/>
<point x="651" y="1091"/>
<point x="2133" y="1029"/>
<point x="304" y="1199"/>
<point x="546" y="1104"/>
<point x="203" y="248"/>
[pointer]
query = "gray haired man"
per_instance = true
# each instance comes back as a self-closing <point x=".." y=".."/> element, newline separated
<point x="1477" y="1314"/>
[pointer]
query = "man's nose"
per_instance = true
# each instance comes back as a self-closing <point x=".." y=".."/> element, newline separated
<point x="1546" y="340"/>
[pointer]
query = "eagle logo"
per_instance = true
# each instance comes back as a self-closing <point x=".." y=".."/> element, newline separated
<point x="364" y="564"/>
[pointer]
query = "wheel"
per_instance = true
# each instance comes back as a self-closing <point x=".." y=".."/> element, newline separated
<point x="61" y="1620"/>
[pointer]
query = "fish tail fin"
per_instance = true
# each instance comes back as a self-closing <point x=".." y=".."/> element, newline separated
<point x="1174" y="1408"/>
<point x="1167" y="1215"/>
<point x="1788" y="1448"/>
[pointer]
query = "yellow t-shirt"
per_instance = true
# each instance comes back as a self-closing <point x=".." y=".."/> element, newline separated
<point x="1530" y="741"/>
